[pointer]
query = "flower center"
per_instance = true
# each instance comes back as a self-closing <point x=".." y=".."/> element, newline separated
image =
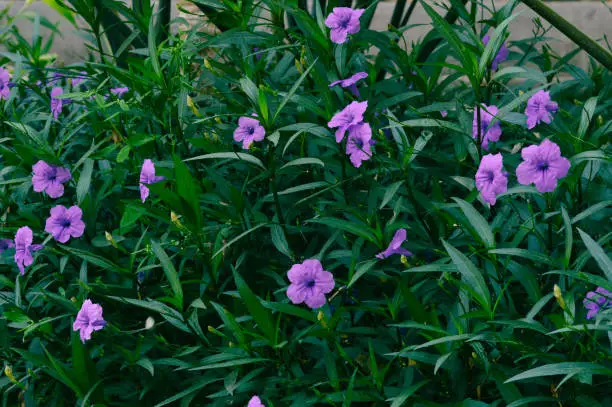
<point x="490" y="176"/>
<point x="542" y="166"/>
<point x="358" y="143"/>
<point x="251" y="130"/>
<point x="310" y="283"/>
<point x="344" y="22"/>
<point x="65" y="223"/>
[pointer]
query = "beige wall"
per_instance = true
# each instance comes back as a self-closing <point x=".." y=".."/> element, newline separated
<point x="593" y="17"/>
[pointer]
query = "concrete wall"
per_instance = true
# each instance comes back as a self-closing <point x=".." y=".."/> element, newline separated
<point x="592" y="17"/>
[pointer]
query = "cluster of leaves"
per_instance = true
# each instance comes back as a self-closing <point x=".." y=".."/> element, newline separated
<point x="193" y="281"/>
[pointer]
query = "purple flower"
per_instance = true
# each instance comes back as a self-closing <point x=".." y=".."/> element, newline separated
<point x="248" y="131"/>
<point x="597" y="300"/>
<point x="502" y="54"/>
<point x="359" y="143"/>
<point x="57" y="104"/>
<point x="258" y="53"/>
<point x="540" y="109"/>
<point x="65" y="223"/>
<point x="309" y="283"/>
<point x="49" y="178"/>
<point x="255" y="402"/>
<point x="24" y="248"/>
<point x="5" y="81"/>
<point x="350" y="83"/>
<point x="6" y="244"/>
<point x="120" y="91"/>
<point x="88" y="319"/>
<point x="349" y="116"/>
<point x="542" y="166"/>
<point x="81" y="77"/>
<point x="491" y="180"/>
<point x="487" y="132"/>
<point x="147" y="176"/>
<point x="343" y="21"/>
<point x="444" y="113"/>
<point x="395" y="247"/>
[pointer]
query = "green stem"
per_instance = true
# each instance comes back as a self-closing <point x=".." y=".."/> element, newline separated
<point x="430" y="44"/>
<point x="588" y="45"/>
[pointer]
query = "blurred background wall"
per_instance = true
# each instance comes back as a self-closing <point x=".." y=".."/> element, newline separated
<point x="594" y="17"/>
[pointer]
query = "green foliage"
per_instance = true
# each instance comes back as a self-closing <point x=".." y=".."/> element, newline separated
<point x="489" y="310"/>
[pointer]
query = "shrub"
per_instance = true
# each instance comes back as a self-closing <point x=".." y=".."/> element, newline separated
<point x="312" y="217"/>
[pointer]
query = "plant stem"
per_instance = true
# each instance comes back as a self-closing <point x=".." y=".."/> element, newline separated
<point x="430" y="44"/>
<point x="588" y="45"/>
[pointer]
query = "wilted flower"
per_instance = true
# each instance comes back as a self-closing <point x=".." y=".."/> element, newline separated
<point x="502" y="54"/>
<point x="88" y="320"/>
<point x="57" y="104"/>
<point x="351" y="82"/>
<point x="80" y="78"/>
<point x="309" y="283"/>
<point x="349" y="116"/>
<point x="120" y="91"/>
<point x="540" y="109"/>
<point x="255" y="402"/>
<point x="6" y="244"/>
<point x="147" y="177"/>
<point x="359" y="143"/>
<point x="488" y="132"/>
<point x="5" y="81"/>
<point x="248" y="131"/>
<point x="491" y="179"/>
<point x="65" y="223"/>
<point x="24" y="248"/>
<point x="343" y="21"/>
<point x="597" y="300"/>
<point x="542" y="166"/>
<point x="49" y="178"/>
<point x="395" y="247"/>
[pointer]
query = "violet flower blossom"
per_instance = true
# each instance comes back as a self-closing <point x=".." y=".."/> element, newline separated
<point x="255" y="401"/>
<point x="351" y="82"/>
<point x="56" y="103"/>
<point x="349" y="116"/>
<point x="309" y="283"/>
<point x="6" y="244"/>
<point x="540" y="108"/>
<point x="248" y="131"/>
<point x="502" y="54"/>
<point x="542" y="166"/>
<point x="595" y="301"/>
<point x="5" y="84"/>
<point x="395" y="247"/>
<point x="147" y="177"/>
<point x="491" y="179"/>
<point x="80" y="78"/>
<point x="359" y="143"/>
<point x="65" y="223"/>
<point x="488" y="132"/>
<point x="24" y="248"/>
<point x="343" y="21"/>
<point x="120" y="91"/>
<point x="88" y="320"/>
<point x="49" y="178"/>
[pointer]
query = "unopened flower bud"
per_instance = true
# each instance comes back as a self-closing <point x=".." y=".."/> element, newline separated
<point x="558" y="296"/>
<point x="175" y="219"/>
<point x="110" y="239"/>
<point x="321" y="319"/>
<point x="149" y="323"/>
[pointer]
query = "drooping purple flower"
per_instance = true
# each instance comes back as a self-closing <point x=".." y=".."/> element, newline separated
<point x="491" y="180"/>
<point x="80" y="78"/>
<point x="88" y="320"/>
<point x="349" y="116"/>
<point x="359" y="143"/>
<point x="395" y="247"/>
<point x="597" y="300"/>
<point x="6" y="244"/>
<point x="502" y="54"/>
<point x="49" y="178"/>
<point x="488" y="132"/>
<point x="56" y="103"/>
<point x="65" y="223"/>
<point x="540" y="108"/>
<point x="309" y="283"/>
<point x="444" y="113"/>
<point x="351" y="82"/>
<point x="5" y="81"/>
<point x="343" y="21"/>
<point x="120" y="91"/>
<point x="147" y="177"/>
<point x="542" y="166"/>
<point x="258" y="53"/>
<point x="248" y="131"/>
<point x="255" y="401"/>
<point x="24" y="248"/>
